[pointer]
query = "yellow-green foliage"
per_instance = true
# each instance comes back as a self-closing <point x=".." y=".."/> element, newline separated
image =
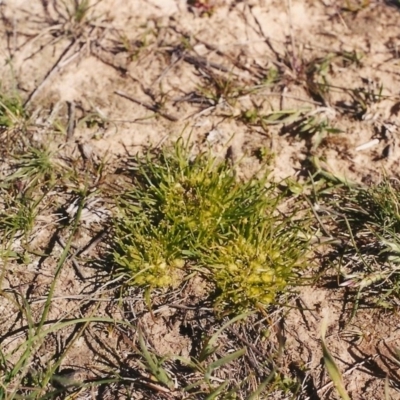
<point x="183" y="213"/>
<point x="250" y="273"/>
<point x="11" y="110"/>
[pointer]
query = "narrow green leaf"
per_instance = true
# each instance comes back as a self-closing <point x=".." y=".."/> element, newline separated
<point x="227" y="359"/>
<point x="154" y="365"/>
<point x="210" y="347"/>
<point x="217" y="391"/>
<point x="222" y="361"/>
<point x="331" y="366"/>
<point x="256" y="394"/>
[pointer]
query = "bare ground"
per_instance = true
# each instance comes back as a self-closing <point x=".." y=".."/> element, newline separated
<point x="133" y="75"/>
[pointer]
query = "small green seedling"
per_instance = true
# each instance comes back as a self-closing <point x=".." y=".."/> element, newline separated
<point x="12" y="111"/>
<point x="205" y="363"/>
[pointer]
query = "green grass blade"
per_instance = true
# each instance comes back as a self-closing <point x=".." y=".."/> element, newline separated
<point x="257" y="393"/>
<point x="227" y="359"/>
<point x="210" y="345"/>
<point x="331" y="366"/>
<point x="154" y="365"/>
<point x="25" y="309"/>
<point x="217" y="391"/>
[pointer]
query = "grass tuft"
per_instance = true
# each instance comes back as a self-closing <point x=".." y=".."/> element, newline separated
<point x="367" y="220"/>
<point x="188" y="214"/>
<point x="12" y="111"/>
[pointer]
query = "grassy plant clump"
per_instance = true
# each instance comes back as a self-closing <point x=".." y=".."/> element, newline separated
<point x="186" y="214"/>
<point x="11" y="110"/>
<point x="24" y="189"/>
<point x="370" y="259"/>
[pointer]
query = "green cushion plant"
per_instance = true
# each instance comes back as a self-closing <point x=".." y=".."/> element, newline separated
<point x="186" y="214"/>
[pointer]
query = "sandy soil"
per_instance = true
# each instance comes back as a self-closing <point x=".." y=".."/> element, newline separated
<point x="133" y="75"/>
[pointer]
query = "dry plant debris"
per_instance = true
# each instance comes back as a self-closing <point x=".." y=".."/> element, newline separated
<point x="309" y="88"/>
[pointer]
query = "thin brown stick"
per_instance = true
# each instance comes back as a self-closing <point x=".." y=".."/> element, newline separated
<point x="77" y="267"/>
<point x="71" y="120"/>
<point x="147" y="105"/>
<point x="81" y="251"/>
<point x="61" y="62"/>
